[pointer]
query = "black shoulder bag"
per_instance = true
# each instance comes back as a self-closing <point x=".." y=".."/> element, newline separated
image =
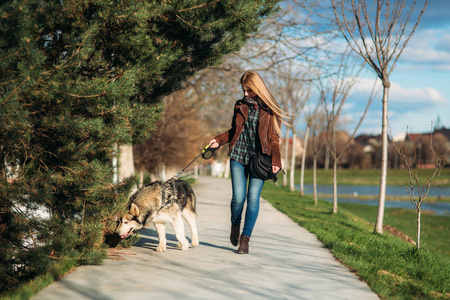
<point x="261" y="164"/>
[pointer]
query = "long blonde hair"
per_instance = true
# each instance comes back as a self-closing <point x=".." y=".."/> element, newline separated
<point x="251" y="80"/>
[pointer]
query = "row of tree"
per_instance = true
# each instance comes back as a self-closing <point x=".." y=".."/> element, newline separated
<point x="364" y="151"/>
<point x="311" y="55"/>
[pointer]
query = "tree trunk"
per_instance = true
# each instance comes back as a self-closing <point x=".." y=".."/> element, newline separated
<point x="141" y="178"/>
<point x="418" y="228"/>
<point x="163" y="173"/>
<point x="286" y="155"/>
<point x="291" y="179"/>
<point x="302" y="174"/>
<point x="315" y="179"/>
<point x="333" y="147"/>
<point x="335" y="205"/>
<point x="227" y="168"/>
<point x="327" y="157"/>
<point x="384" y="163"/>
<point x="126" y="162"/>
<point x="115" y="166"/>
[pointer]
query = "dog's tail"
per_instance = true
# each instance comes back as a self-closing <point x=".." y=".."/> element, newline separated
<point x="190" y="200"/>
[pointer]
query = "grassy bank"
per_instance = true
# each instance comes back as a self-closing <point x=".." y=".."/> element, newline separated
<point x="392" y="267"/>
<point x="435" y="230"/>
<point x="372" y="177"/>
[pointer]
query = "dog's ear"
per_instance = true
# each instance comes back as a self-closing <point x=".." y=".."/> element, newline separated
<point x="134" y="210"/>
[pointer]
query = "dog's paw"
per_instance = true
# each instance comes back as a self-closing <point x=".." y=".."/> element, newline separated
<point x="183" y="246"/>
<point x="195" y="243"/>
<point x="161" y="248"/>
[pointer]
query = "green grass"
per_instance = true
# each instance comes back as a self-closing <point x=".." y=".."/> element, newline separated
<point x="435" y="230"/>
<point x="372" y="176"/>
<point x="392" y="267"/>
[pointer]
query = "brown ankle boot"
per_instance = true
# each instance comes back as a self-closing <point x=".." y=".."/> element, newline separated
<point x="234" y="236"/>
<point x="243" y="245"/>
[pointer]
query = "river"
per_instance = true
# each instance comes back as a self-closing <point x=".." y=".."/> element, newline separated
<point x="438" y="208"/>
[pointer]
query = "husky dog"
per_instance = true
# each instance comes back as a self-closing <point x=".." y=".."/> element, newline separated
<point x="159" y="203"/>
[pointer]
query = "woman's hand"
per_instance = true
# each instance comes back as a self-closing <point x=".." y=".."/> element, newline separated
<point x="214" y="143"/>
<point x="275" y="169"/>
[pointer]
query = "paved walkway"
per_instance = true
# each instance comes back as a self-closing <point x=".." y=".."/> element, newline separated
<point x="285" y="262"/>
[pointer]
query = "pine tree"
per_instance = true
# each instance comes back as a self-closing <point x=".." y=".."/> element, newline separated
<point x="76" y="78"/>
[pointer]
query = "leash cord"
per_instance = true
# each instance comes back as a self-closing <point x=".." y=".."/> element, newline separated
<point x="174" y="178"/>
<point x="179" y="173"/>
<point x="208" y="147"/>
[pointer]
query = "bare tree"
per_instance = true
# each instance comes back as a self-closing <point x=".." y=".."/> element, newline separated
<point x="311" y="118"/>
<point x="417" y="197"/>
<point x="379" y="36"/>
<point x="298" y="34"/>
<point x="177" y="125"/>
<point x="292" y="168"/>
<point x="316" y="149"/>
<point x="305" y="147"/>
<point x="294" y="91"/>
<point x="334" y="91"/>
<point x="286" y="153"/>
<point x="318" y="126"/>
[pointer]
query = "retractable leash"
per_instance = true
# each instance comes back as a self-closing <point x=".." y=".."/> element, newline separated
<point x="206" y="153"/>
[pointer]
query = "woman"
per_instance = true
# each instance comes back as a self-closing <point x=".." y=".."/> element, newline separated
<point x="255" y="127"/>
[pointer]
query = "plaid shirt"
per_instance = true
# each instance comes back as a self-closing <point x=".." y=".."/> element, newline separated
<point x="245" y="145"/>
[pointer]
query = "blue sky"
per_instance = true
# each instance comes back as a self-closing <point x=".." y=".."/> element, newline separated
<point x="420" y="90"/>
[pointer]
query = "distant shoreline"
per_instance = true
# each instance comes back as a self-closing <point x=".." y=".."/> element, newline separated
<point x="395" y="177"/>
<point x="429" y="199"/>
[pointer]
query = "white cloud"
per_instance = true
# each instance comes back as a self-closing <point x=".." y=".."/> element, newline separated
<point x="425" y="55"/>
<point x="400" y="94"/>
<point x="428" y="48"/>
<point x="348" y="106"/>
<point x="415" y="121"/>
<point x="444" y="43"/>
<point x="414" y="107"/>
<point x="413" y="96"/>
<point x="365" y="85"/>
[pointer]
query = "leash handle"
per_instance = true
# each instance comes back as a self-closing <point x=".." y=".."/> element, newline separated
<point x="208" y="152"/>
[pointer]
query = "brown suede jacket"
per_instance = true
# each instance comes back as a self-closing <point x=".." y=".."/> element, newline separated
<point x="270" y="141"/>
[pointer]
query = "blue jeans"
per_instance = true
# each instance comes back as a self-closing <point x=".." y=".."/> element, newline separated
<point x="241" y="192"/>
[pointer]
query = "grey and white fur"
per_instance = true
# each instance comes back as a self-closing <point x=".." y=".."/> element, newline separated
<point x="146" y="206"/>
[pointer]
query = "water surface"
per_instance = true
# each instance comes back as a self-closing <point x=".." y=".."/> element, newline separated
<point x="439" y="208"/>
